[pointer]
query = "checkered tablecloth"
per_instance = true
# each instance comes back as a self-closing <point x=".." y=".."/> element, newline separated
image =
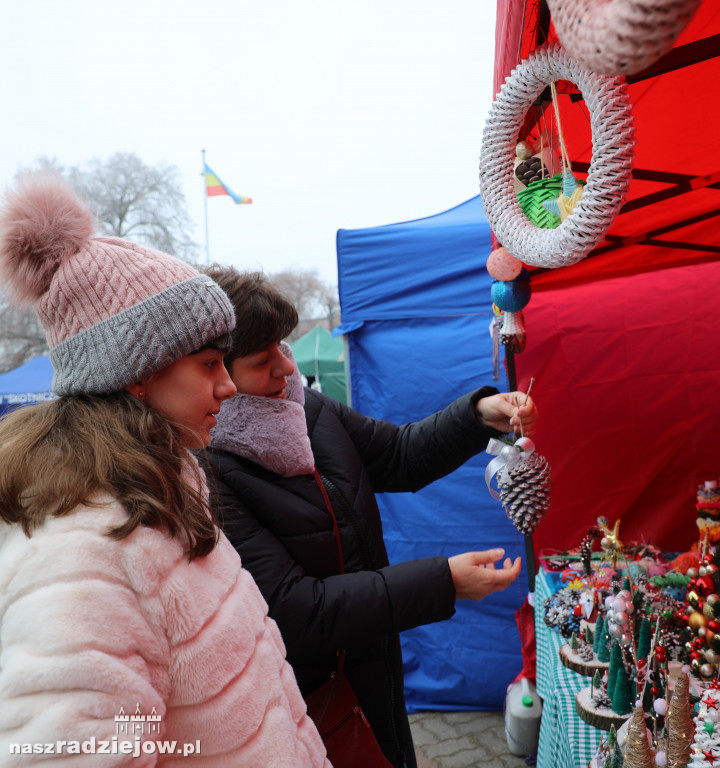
<point x="566" y="741"/>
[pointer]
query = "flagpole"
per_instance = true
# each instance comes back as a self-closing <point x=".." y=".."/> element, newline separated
<point x="207" y="239"/>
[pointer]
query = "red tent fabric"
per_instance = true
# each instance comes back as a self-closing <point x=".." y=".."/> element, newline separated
<point x="625" y="345"/>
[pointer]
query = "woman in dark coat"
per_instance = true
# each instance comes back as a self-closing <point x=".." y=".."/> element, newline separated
<point x="292" y="470"/>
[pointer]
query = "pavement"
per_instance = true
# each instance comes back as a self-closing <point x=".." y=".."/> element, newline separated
<point x="462" y="740"/>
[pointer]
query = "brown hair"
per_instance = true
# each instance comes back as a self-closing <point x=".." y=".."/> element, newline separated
<point x="58" y="455"/>
<point x="265" y="315"/>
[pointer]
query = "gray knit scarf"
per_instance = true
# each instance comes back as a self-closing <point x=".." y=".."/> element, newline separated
<point x="272" y="433"/>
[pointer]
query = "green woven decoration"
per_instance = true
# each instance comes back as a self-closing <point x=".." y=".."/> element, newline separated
<point x="532" y="197"/>
<point x="531" y="200"/>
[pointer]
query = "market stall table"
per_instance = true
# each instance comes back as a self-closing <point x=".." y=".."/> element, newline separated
<point x="566" y="741"/>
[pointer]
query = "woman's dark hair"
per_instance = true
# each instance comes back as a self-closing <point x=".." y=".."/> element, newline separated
<point x="72" y="451"/>
<point x="265" y="315"/>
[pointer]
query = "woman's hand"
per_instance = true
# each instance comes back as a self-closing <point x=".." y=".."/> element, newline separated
<point x="475" y="576"/>
<point x="507" y="411"/>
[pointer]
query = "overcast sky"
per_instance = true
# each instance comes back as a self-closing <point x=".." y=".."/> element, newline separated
<point x="330" y="114"/>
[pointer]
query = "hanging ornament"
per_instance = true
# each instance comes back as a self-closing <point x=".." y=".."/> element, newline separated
<point x="523" y="479"/>
<point x="512" y="295"/>
<point x="534" y="162"/>
<point x="530" y="167"/>
<point x="564" y="204"/>
<point x="502" y="265"/>
<point x="620" y="37"/>
<point x="608" y="175"/>
<point x="512" y="332"/>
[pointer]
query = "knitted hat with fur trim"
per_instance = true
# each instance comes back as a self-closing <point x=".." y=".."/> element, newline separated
<point x="113" y="311"/>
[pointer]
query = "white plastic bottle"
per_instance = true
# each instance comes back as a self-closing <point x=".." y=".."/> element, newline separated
<point x="523" y="709"/>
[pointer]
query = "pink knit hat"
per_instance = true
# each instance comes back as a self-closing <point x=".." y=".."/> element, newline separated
<point x="113" y="312"/>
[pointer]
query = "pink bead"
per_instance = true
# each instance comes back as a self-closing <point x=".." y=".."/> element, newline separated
<point x="502" y="265"/>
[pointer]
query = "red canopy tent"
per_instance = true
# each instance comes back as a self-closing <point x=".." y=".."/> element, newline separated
<point x="625" y="345"/>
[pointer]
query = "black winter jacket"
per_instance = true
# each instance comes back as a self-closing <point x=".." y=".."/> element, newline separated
<point x="284" y="534"/>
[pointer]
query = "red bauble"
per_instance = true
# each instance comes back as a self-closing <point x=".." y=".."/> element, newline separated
<point x="704" y="585"/>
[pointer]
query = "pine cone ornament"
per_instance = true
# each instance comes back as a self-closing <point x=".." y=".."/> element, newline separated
<point x="523" y="481"/>
<point x="525" y="490"/>
<point x="530" y="170"/>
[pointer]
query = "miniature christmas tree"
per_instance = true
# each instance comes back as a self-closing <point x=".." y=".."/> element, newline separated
<point x="680" y="724"/>
<point x="616" y="661"/>
<point x="637" y="749"/>
<point x="706" y="741"/>
<point x="644" y="638"/>
<point x="612" y="736"/>
<point x="603" y="652"/>
<point x="599" y="627"/>
<point x="617" y="757"/>
<point x="622" y="696"/>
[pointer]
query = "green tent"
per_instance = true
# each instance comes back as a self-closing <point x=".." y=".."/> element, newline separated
<point x="322" y="357"/>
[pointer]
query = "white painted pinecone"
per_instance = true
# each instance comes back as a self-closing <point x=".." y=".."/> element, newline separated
<point x="525" y="491"/>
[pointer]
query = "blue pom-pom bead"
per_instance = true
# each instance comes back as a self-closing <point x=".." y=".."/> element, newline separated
<point x="510" y="296"/>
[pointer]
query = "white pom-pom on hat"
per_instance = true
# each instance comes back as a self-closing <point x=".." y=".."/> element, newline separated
<point x="42" y="223"/>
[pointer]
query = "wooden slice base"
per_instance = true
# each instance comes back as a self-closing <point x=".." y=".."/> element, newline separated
<point x="602" y="717"/>
<point x="586" y="668"/>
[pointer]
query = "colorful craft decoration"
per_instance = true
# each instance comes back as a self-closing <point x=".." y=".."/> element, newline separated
<point x="608" y="176"/>
<point x="705" y="748"/>
<point x="512" y="332"/>
<point x="564" y="204"/>
<point x="533" y="197"/>
<point x="620" y="37"/>
<point x="511" y="295"/>
<point x="610" y="542"/>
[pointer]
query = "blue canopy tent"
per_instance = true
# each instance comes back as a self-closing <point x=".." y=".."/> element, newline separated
<point x="416" y="311"/>
<point x="30" y="383"/>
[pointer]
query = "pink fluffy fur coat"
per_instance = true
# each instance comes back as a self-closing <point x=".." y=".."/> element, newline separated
<point x="89" y="625"/>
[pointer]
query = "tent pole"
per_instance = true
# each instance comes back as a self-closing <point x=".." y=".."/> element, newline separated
<point x="529" y="551"/>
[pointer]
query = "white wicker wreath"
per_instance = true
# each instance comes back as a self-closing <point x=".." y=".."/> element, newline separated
<point x="620" y="37"/>
<point x="608" y="176"/>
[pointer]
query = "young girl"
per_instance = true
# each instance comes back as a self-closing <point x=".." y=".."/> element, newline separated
<point x="279" y="454"/>
<point x="127" y="626"/>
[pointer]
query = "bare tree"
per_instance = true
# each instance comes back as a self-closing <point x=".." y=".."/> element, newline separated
<point x="316" y="301"/>
<point x="129" y="199"/>
<point x="21" y="337"/>
<point x="136" y="201"/>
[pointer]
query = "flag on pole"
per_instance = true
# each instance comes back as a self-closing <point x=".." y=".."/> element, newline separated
<point x="213" y="186"/>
